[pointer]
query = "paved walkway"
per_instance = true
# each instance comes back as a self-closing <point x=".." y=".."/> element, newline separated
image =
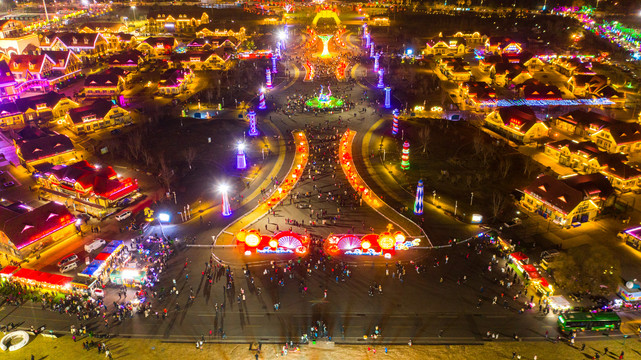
<point x="374" y="201"/>
<point x="280" y="192"/>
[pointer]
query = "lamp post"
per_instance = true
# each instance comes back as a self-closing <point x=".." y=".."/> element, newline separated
<point x="133" y="7"/>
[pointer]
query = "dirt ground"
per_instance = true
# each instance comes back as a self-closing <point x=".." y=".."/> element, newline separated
<point x="143" y="349"/>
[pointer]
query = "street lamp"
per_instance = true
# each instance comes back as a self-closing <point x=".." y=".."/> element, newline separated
<point x="224" y="189"/>
<point x="133" y="7"/>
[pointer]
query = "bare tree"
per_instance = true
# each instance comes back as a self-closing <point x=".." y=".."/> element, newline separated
<point x="425" y="136"/>
<point x="528" y="167"/>
<point x="166" y="174"/>
<point x="504" y="166"/>
<point x="468" y="181"/>
<point x="134" y="145"/>
<point x="478" y="143"/>
<point x="190" y="155"/>
<point x="498" y="200"/>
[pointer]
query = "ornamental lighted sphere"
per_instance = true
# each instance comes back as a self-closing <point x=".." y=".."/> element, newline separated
<point x="386" y="241"/>
<point x="252" y="239"/>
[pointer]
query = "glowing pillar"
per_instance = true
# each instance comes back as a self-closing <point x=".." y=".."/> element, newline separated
<point x="367" y="39"/>
<point x="388" y="95"/>
<point x="418" y="202"/>
<point x="395" y="122"/>
<point x="268" y="78"/>
<point x="405" y="156"/>
<point x="274" y="69"/>
<point x="371" y="50"/>
<point x="241" y="161"/>
<point x="380" y="79"/>
<point x="253" y="131"/>
<point x="325" y="39"/>
<point x="278" y="45"/>
<point x="376" y="64"/>
<point x="225" y="205"/>
<point x="262" y="104"/>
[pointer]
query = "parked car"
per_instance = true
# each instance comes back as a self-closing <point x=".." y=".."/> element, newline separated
<point x="69" y="267"/>
<point x="96" y="244"/>
<point x="68" y="259"/>
<point x="513" y="222"/>
<point x="123" y="215"/>
<point x="8" y="184"/>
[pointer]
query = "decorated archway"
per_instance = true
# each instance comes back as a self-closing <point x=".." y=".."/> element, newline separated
<point x="326" y="14"/>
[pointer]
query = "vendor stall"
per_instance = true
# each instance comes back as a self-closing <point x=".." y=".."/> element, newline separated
<point x="38" y="280"/>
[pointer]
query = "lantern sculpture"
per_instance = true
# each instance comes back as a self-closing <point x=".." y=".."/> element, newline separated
<point x="371" y="50"/>
<point x="395" y="122"/>
<point x="376" y="62"/>
<point x="418" y="203"/>
<point x="405" y="156"/>
<point x="241" y="161"/>
<point x="388" y="97"/>
<point x="262" y="104"/>
<point x="380" y="79"/>
<point x="274" y="63"/>
<point x="268" y="78"/>
<point x="225" y="204"/>
<point x="253" y="131"/>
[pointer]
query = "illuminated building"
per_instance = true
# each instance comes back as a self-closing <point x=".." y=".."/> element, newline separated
<point x="456" y="69"/>
<point x="10" y="28"/>
<point x="568" y="201"/>
<point x="19" y="45"/>
<point x="85" y="186"/>
<point x="100" y="114"/>
<point x="477" y="94"/>
<point x="32" y="69"/>
<point x="106" y="84"/>
<point x="202" y="60"/>
<point x="229" y="30"/>
<point x="619" y="137"/>
<point x="130" y="59"/>
<point x="158" y="45"/>
<point x="36" y="146"/>
<point x="66" y="65"/>
<point x="445" y="46"/>
<point x="39" y="109"/>
<point x="176" y="19"/>
<point x="516" y="123"/>
<point x="174" y="81"/>
<point x="104" y="27"/>
<point x="24" y="230"/>
<point x="85" y="45"/>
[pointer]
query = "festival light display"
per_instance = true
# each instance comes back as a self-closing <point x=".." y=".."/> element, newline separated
<point x="241" y="161"/>
<point x="253" y="131"/>
<point x="262" y="104"/>
<point x="285" y="242"/>
<point x="340" y="71"/>
<point x="555" y="102"/>
<point x="325" y="39"/>
<point x="226" y="207"/>
<point x="418" y="202"/>
<point x="388" y="97"/>
<point x="357" y="183"/>
<point x="278" y="46"/>
<point x="295" y="173"/>
<point x="385" y="244"/>
<point x="367" y="40"/>
<point x="325" y="101"/>
<point x="309" y="71"/>
<point x="371" y="50"/>
<point x="274" y="63"/>
<point x="395" y="115"/>
<point x="268" y="78"/>
<point x="380" y="79"/>
<point x="376" y="62"/>
<point x="405" y="156"/>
